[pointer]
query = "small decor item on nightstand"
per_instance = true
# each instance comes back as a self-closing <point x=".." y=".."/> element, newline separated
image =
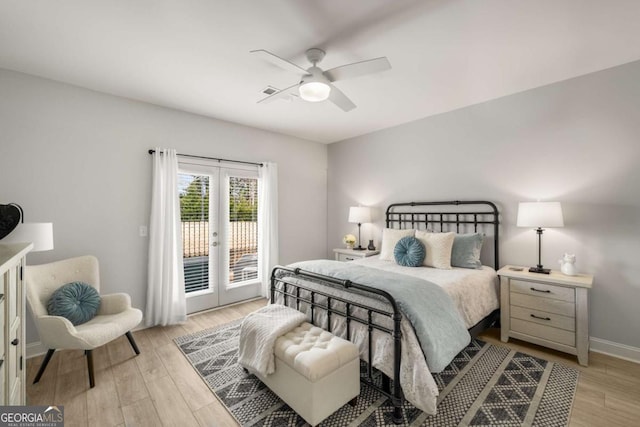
<point x="349" y="240"/>
<point x="568" y="264"/>
<point x="371" y="247"/>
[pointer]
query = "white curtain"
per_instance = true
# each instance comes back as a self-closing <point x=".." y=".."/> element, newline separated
<point x="166" y="301"/>
<point x="267" y="222"/>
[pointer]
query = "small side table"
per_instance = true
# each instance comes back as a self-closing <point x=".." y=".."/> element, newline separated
<point x="351" y="254"/>
<point x="550" y="310"/>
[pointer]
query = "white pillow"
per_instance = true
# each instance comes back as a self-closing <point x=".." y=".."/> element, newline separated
<point x="438" y="246"/>
<point x="390" y="237"/>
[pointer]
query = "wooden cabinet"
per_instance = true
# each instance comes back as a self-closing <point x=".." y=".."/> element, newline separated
<point x="550" y="310"/>
<point x="12" y="311"/>
<point x="351" y="254"/>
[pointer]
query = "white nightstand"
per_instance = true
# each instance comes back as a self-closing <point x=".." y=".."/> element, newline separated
<point x="551" y="310"/>
<point x="350" y="254"/>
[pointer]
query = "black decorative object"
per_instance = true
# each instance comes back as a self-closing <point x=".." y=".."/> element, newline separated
<point x="371" y="247"/>
<point x="10" y="216"/>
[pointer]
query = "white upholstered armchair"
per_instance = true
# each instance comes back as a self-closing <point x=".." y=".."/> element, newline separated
<point x="115" y="317"/>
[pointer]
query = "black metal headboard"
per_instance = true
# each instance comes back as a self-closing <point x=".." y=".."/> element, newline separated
<point x="458" y="216"/>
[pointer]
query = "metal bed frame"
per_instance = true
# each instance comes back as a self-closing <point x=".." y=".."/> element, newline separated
<point x="398" y="215"/>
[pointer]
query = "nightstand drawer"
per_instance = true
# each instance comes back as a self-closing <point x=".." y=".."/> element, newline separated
<point x="545" y="332"/>
<point x="544" y="304"/>
<point x="543" y="290"/>
<point x="544" y="318"/>
<point x="345" y="257"/>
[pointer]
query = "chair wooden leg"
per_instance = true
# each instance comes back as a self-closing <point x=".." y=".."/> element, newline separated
<point x="45" y="362"/>
<point x="132" y="342"/>
<point x="89" y="354"/>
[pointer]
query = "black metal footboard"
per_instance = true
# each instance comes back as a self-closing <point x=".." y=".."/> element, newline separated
<point x="293" y="297"/>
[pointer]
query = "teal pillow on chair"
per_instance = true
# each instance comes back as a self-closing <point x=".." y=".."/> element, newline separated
<point x="75" y="301"/>
<point x="409" y="252"/>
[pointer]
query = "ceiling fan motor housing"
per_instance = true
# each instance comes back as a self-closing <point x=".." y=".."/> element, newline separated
<point x="315" y="55"/>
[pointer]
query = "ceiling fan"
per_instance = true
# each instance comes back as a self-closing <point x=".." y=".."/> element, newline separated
<point x="317" y="85"/>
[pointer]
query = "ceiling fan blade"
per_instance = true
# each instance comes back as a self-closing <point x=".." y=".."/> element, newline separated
<point x="358" y="69"/>
<point x="340" y="99"/>
<point x="280" y="94"/>
<point x="280" y="62"/>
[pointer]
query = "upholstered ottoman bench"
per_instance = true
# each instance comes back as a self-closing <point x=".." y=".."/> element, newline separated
<point x="316" y="372"/>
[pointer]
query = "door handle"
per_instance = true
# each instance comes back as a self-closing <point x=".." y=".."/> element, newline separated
<point x="16" y="341"/>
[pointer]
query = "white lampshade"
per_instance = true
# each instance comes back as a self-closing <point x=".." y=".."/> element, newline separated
<point x="540" y="214"/>
<point x="314" y="91"/>
<point x="38" y="233"/>
<point x="359" y="214"/>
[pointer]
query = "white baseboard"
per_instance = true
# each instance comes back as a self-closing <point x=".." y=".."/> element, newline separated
<point x="621" y="351"/>
<point x="34" y="349"/>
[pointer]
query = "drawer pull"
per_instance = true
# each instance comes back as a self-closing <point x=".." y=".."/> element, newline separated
<point x="538" y="290"/>
<point x="541" y="318"/>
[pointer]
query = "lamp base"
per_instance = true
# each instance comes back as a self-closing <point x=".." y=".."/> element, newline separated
<point x="539" y="270"/>
<point x="359" y="248"/>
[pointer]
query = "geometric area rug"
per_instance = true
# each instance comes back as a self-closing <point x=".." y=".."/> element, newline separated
<point x="485" y="385"/>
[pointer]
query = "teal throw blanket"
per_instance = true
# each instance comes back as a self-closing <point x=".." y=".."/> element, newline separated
<point x="437" y="324"/>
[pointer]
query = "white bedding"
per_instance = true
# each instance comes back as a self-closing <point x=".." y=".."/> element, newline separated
<point x="474" y="292"/>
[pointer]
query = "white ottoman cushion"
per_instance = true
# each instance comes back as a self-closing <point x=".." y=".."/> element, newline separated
<point x="314" y="352"/>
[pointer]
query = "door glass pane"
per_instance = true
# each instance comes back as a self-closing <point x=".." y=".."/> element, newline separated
<point x="243" y="229"/>
<point x="194" y="214"/>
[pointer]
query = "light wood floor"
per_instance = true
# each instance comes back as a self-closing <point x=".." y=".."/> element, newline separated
<point x="159" y="387"/>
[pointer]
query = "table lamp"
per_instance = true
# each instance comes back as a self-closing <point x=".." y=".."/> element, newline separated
<point x="359" y="215"/>
<point x="540" y="214"/>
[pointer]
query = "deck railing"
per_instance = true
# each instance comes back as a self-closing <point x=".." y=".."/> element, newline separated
<point x="242" y="247"/>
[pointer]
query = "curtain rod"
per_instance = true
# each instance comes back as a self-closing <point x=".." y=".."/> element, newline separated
<point x="214" y="158"/>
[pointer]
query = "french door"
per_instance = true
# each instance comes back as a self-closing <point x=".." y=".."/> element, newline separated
<point x="219" y="214"/>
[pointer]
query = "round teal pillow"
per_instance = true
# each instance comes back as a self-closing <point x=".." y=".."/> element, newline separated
<point x="75" y="301"/>
<point x="409" y="252"/>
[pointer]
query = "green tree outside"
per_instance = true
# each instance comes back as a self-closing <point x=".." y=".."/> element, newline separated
<point x="243" y="203"/>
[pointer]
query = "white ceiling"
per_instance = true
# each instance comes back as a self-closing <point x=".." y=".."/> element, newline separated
<point x="194" y="55"/>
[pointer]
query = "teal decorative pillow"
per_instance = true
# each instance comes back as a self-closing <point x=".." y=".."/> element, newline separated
<point x="75" y="301"/>
<point x="466" y="251"/>
<point x="409" y="252"/>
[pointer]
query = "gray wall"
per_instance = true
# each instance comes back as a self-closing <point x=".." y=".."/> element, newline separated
<point x="79" y="159"/>
<point x="577" y="142"/>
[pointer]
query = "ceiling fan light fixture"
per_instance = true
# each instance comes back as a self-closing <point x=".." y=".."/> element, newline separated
<point x="314" y="91"/>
